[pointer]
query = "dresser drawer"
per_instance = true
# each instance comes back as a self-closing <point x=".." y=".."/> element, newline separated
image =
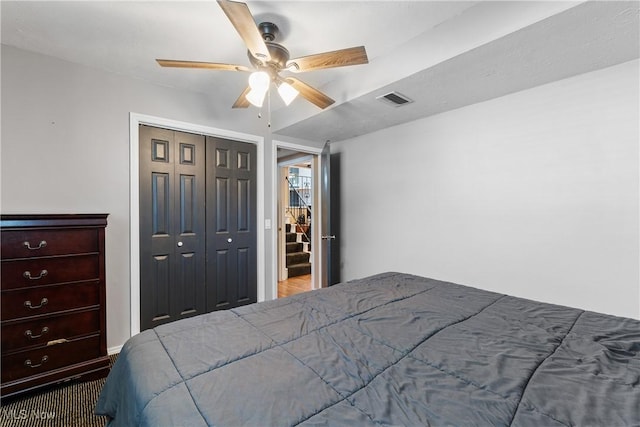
<point x="48" y="299"/>
<point x="42" y="359"/>
<point x="37" y="243"/>
<point x="18" y="335"/>
<point x="23" y="273"/>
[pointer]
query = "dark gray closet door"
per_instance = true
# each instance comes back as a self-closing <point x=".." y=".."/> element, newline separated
<point x="172" y="226"/>
<point x="231" y="224"/>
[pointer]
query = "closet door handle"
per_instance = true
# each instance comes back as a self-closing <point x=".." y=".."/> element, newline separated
<point x="27" y="275"/>
<point x="43" y="302"/>
<point x="41" y="245"/>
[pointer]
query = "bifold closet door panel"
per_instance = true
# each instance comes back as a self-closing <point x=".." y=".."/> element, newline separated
<point x="231" y="223"/>
<point x="172" y="225"/>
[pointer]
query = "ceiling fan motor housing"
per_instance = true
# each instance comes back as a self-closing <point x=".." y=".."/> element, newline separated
<point x="279" y="54"/>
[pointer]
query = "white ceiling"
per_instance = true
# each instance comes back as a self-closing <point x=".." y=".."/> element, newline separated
<point x="441" y="54"/>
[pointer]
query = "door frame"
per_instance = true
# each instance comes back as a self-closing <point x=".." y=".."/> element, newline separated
<point x="316" y="272"/>
<point x="135" y="120"/>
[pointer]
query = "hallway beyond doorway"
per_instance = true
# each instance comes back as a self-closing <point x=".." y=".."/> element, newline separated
<point x="294" y="285"/>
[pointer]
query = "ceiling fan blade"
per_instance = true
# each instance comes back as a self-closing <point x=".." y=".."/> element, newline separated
<point x="241" y="18"/>
<point x="242" y="101"/>
<point x="309" y="93"/>
<point x="337" y="58"/>
<point x="196" y="64"/>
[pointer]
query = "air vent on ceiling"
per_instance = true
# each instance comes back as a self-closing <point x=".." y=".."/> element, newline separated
<point x="394" y="98"/>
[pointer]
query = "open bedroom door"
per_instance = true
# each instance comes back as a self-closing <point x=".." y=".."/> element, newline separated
<point x="328" y="237"/>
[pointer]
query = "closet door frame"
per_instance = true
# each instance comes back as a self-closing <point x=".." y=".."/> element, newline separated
<point x="135" y="120"/>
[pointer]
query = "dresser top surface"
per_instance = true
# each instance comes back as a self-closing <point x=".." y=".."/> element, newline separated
<point x="51" y="220"/>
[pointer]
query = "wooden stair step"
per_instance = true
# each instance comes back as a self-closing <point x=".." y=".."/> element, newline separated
<point x="299" y="269"/>
<point x="297" y="258"/>
<point x="294" y="247"/>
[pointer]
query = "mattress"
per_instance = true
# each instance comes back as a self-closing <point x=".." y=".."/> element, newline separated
<point x="392" y="349"/>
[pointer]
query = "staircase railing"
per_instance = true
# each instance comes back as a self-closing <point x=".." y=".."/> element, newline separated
<point x="298" y="209"/>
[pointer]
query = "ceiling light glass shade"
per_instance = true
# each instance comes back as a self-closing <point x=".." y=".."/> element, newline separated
<point x="256" y="97"/>
<point x="259" y="81"/>
<point x="287" y="92"/>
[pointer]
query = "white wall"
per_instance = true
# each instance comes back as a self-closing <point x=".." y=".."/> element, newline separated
<point x="65" y="149"/>
<point x="535" y="194"/>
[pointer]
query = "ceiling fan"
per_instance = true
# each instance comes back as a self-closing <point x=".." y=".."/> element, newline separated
<point x="269" y="59"/>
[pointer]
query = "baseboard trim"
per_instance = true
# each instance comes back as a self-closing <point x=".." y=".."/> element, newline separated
<point x="114" y="350"/>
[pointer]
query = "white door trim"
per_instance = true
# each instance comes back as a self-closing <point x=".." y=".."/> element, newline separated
<point x="315" y="212"/>
<point x="135" y="120"/>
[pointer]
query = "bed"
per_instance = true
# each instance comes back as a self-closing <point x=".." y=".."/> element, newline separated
<point x="388" y="350"/>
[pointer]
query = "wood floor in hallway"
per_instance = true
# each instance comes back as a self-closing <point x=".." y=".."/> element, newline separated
<point x="294" y="285"/>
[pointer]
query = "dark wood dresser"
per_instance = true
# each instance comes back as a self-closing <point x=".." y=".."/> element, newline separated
<point x="53" y="318"/>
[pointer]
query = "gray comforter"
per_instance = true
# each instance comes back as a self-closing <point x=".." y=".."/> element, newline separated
<point x="392" y="349"/>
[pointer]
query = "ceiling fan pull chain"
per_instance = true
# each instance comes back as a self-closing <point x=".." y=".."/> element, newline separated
<point x="269" y="107"/>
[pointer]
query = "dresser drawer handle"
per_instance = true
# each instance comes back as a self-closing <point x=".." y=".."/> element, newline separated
<point x="41" y="245"/>
<point x="42" y="362"/>
<point x="29" y="334"/>
<point x="27" y="275"/>
<point x="43" y="302"/>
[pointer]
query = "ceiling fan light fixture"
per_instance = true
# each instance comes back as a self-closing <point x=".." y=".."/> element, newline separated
<point x="259" y="81"/>
<point x="287" y="92"/>
<point x="256" y="97"/>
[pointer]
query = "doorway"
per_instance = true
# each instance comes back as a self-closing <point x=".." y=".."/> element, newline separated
<point x="295" y="216"/>
<point x="297" y="210"/>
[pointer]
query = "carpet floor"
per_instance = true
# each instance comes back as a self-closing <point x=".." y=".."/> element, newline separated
<point x="64" y="405"/>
